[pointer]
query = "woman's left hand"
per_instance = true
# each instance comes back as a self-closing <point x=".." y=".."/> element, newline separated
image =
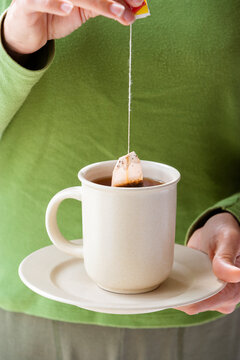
<point x="220" y="239"/>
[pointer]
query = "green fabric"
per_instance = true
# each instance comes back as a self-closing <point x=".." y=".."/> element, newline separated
<point x="185" y="112"/>
<point x="231" y="205"/>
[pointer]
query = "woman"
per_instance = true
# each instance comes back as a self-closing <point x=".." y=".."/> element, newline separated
<point x="186" y="103"/>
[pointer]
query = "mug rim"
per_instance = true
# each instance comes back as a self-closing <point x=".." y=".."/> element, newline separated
<point x="83" y="171"/>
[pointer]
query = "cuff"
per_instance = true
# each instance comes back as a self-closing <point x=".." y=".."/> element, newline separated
<point x="16" y="81"/>
<point x="46" y="55"/>
<point x="231" y="205"/>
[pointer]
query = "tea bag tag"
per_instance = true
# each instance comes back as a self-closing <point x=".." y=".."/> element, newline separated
<point x="141" y="11"/>
<point x="128" y="171"/>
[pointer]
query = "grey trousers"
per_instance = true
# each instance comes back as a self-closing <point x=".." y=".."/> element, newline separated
<point x="24" y="337"/>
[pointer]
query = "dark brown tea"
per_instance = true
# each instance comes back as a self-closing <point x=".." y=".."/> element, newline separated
<point x="146" y="182"/>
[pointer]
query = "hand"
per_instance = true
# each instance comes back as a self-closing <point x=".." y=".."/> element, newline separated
<point x="29" y="24"/>
<point x="220" y="239"/>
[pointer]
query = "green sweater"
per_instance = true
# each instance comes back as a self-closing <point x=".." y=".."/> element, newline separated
<point x="185" y="113"/>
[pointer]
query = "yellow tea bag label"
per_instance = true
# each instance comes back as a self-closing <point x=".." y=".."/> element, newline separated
<point x="141" y="11"/>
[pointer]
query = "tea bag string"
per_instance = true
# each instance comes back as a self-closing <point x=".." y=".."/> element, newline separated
<point x="129" y="87"/>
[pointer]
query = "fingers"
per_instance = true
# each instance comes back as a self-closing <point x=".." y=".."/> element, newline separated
<point x="226" y="309"/>
<point x="117" y="10"/>
<point x="134" y="3"/>
<point x="55" y="7"/>
<point x="225" y="302"/>
<point x="226" y="264"/>
<point x="108" y="8"/>
<point x="220" y="239"/>
<point x="224" y="270"/>
<point x="193" y="310"/>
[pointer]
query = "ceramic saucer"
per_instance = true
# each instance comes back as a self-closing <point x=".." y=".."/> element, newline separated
<point x="60" y="277"/>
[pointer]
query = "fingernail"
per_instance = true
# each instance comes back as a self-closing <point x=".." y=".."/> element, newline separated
<point x="117" y="9"/>
<point x="129" y="17"/>
<point x="137" y="2"/>
<point x="66" y="7"/>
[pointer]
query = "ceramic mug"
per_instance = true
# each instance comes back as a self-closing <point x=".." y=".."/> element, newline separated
<point x="128" y="233"/>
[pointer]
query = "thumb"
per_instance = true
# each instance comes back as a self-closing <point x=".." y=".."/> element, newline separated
<point x="226" y="261"/>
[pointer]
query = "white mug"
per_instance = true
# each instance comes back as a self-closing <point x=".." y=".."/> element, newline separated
<point x="128" y="233"/>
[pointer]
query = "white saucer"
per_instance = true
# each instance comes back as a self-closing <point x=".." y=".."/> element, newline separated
<point x="60" y="277"/>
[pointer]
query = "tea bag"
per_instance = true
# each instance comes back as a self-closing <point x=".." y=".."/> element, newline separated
<point x="128" y="171"/>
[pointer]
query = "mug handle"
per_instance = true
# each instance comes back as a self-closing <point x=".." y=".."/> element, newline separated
<point x="51" y="221"/>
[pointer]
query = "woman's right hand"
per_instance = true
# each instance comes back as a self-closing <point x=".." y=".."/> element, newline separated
<point x="29" y="24"/>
